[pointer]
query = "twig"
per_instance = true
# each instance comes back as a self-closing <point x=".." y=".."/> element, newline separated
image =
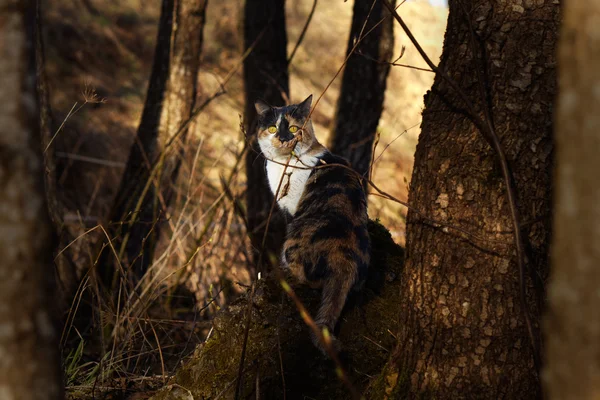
<point x="91" y="160"/>
<point x="304" y="29"/>
<point x="160" y="353"/>
<point x="394" y="63"/>
<point x="89" y="96"/>
<point x="275" y="197"/>
<point x="324" y="336"/>
<point x="251" y="298"/>
<point x="377" y="138"/>
<point x="360" y="39"/>
<point x="390" y="143"/>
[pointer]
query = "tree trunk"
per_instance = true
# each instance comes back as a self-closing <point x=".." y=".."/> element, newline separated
<point x="462" y="332"/>
<point x="29" y="361"/>
<point x="266" y="78"/>
<point x="68" y="273"/>
<point x="360" y="102"/>
<point x="572" y="329"/>
<point x="169" y="103"/>
<point x="55" y="203"/>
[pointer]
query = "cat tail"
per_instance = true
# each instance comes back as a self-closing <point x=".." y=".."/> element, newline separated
<point x="335" y="292"/>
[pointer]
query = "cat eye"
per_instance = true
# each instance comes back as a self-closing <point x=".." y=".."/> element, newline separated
<point x="272" y="129"/>
<point x="293" y="129"/>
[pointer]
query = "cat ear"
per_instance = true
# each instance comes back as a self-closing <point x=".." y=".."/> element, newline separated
<point x="304" y="107"/>
<point x="261" y="107"/>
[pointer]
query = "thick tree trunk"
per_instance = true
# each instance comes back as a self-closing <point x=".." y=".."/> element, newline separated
<point x="462" y="332"/>
<point x="360" y="102"/>
<point x="573" y="324"/>
<point x="280" y="358"/>
<point x="266" y="78"/>
<point x="29" y="361"/>
<point x="169" y="103"/>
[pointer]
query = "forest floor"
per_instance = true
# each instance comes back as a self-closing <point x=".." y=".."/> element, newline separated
<point x="106" y="48"/>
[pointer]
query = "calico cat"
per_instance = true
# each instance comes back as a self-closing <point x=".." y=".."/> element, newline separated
<point x="327" y="243"/>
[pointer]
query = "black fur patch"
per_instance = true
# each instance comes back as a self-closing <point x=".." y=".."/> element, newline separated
<point x="283" y="133"/>
<point x="326" y="175"/>
<point x="267" y="119"/>
<point x="356" y="197"/>
<point x="362" y="236"/>
<point x="318" y="271"/>
<point x="320" y="197"/>
<point x="363" y="269"/>
<point x="335" y="228"/>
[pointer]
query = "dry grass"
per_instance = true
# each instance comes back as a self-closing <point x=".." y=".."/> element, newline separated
<point x="134" y="343"/>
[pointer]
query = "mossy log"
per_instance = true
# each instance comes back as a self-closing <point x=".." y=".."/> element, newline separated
<point x="280" y="356"/>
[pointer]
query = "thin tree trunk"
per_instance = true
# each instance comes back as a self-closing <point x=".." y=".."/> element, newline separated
<point x="573" y="323"/>
<point x="266" y="78"/>
<point x="29" y="361"/>
<point x="55" y="205"/>
<point x="360" y="103"/>
<point x="463" y="333"/>
<point x="169" y="103"/>
<point x="67" y="272"/>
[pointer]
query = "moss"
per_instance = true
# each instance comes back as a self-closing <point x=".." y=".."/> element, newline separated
<point x="275" y="323"/>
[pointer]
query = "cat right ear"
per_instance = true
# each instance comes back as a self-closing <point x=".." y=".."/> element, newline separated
<point x="261" y="107"/>
<point x="304" y="107"/>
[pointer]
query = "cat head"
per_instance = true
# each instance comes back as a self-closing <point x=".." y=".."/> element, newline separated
<point x="283" y="129"/>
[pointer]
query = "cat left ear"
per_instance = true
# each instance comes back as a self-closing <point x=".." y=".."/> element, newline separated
<point x="304" y="107"/>
<point x="261" y="107"/>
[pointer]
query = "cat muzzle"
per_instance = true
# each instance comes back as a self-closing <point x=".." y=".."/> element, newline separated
<point x="292" y="141"/>
<point x="286" y="137"/>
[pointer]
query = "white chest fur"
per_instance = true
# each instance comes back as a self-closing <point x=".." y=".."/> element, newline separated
<point x="294" y="179"/>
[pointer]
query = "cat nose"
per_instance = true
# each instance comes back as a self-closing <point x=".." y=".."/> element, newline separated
<point x="286" y="137"/>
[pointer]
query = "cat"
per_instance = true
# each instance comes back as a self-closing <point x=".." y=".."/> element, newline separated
<point x="327" y="243"/>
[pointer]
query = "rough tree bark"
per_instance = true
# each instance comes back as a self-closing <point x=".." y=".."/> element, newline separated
<point x="462" y="327"/>
<point x="573" y="323"/>
<point x="169" y="103"/>
<point x="29" y="361"/>
<point x="360" y="102"/>
<point x="265" y="77"/>
<point x="280" y="358"/>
